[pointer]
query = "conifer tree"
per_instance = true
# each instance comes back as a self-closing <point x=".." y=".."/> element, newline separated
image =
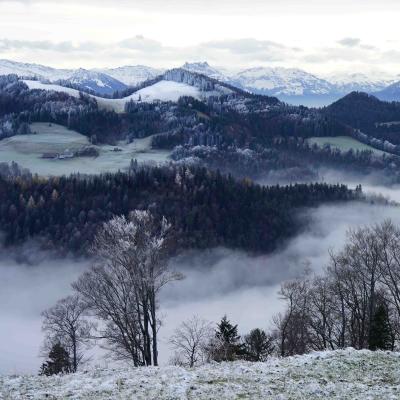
<point x="226" y="346"/>
<point x="58" y="363"/>
<point x="258" y="345"/>
<point x="380" y="337"/>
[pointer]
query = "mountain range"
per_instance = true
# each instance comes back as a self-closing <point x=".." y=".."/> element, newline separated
<point x="291" y="85"/>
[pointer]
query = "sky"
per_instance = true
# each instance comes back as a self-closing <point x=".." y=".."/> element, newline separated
<point x="323" y="37"/>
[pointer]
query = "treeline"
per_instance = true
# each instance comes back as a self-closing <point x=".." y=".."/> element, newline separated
<point x="355" y="302"/>
<point x="20" y="106"/>
<point x="369" y="114"/>
<point x="206" y="208"/>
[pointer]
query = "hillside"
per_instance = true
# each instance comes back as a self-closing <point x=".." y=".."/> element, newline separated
<point x="361" y="110"/>
<point x="290" y="85"/>
<point x="345" y="374"/>
<point x="390" y="93"/>
<point x="95" y="81"/>
<point x="163" y="91"/>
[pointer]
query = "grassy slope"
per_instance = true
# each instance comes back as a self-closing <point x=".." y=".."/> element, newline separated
<point x="344" y="143"/>
<point x="346" y="374"/>
<point x="27" y="151"/>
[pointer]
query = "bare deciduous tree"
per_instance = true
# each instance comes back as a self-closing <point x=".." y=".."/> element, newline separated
<point x="65" y="323"/>
<point x="337" y="309"/>
<point x="122" y="288"/>
<point x="190" y="340"/>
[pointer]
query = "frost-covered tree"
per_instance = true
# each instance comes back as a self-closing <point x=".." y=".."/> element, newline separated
<point x="122" y="287"/>
<point x="65" y="323"/>
<point x="190" y="340"/>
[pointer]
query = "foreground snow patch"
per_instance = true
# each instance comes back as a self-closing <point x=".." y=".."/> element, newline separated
<point x="345" y="374"/>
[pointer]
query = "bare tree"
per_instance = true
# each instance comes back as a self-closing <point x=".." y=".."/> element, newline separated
<point x="190" y="340"/>
<point x="122" y="288"/>
<point x="64" y="323"/>
<point x="337" y="309"/>
<point x="388" y="237"/>
<point x="292" y="325"/>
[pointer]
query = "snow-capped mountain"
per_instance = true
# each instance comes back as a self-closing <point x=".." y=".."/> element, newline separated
<point x="281" y="81"/>
<point x="96" y="81"/>
<point x="287" y="84"/>
<point x="133" y="75"/>
<point x="390" y="93"/>
<point x="33" y="70"/>
<point x="205" y="69"/>
<point x="349" y="82"/>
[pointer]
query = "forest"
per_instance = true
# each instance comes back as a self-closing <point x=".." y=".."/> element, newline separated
<point x="206" y="209"/>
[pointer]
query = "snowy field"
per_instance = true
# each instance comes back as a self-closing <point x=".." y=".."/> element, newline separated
<point x="163" y="91"/>
<point x="346" y="374"/>
<point x="344" y="143"/>
<point x="27" y="151"/>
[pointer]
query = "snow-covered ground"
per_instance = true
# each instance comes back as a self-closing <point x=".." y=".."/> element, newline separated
<point x="346" y="374"/>
<point x="163" y="91"/>
<point x="27" y="151"/>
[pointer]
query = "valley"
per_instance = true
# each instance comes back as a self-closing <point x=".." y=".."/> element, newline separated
<point x="39" y="152"/>
<point x="254" y="188"/>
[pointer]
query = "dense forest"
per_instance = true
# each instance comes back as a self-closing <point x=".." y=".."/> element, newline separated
<point x="369" y="114"/>
<point x="205" y="208"/>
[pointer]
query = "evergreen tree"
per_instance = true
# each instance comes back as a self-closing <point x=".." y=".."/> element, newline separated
<point x="380" y="337"/>
<point x="58" y="363"/>
<point x="226" y="345"/>
<point x="258" y="345"/>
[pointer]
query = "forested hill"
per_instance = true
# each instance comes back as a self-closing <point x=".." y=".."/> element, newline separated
<point x="363" y="111"/>
<point x="205" y="208"/>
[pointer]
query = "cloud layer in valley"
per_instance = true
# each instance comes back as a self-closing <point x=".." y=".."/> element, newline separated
<point x="218" y="282"/>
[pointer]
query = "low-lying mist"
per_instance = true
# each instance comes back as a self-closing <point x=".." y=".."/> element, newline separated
<point x="218" y="281"/>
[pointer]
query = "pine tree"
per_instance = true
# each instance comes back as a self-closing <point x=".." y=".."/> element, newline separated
<point x="380" y="337"/>
<point x="58" y="363"/>
<point x="226" y="346"/>
<point x="258" y="345"/>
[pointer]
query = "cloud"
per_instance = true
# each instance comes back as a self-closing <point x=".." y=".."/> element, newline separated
<point x="350" y="42"/>
<point x="218" y="281"/>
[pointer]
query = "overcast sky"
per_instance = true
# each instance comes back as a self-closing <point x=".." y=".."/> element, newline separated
<point x="321" y="36"/>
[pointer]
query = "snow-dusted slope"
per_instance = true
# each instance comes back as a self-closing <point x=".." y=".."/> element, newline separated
<point x="205" y="69"/>
<point x="390" y="93"/>
<point x="48" y="86"/>
<point x="349" y="82"/>
<point x="33" y="70"/>
<point x="344" y="375"/>
<point x="96" y="81"/>
<point x="167" y="91"/>
<point x="133" y="75"/>
<point x="163" y="91"/>
<point x="281" y="81"/>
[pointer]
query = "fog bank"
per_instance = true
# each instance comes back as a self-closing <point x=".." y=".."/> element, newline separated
<point x="218" y="281"/>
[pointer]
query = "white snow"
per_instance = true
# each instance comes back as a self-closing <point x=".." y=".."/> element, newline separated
<point x="162" y="91"/>
<point x="345" y="374"/>
<point x="282" y="81"/>
<point x="167" y="91"/>
<point x="132" y="74"/>
<point x="28" y="70"/>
